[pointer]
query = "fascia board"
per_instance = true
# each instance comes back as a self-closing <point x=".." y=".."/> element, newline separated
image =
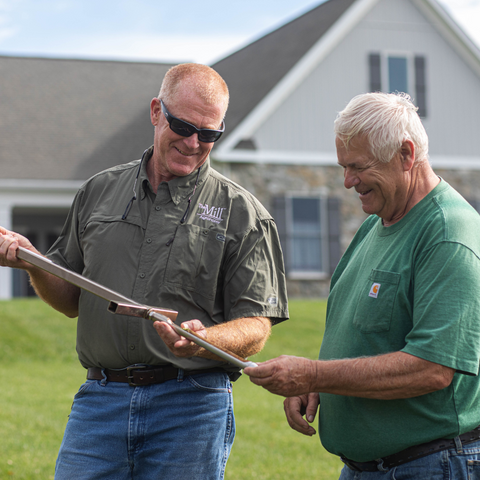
<point x="41" y="193"/>
<point x="278" y="157"/>
<point x="455" y="162"/>
<point x="15" y="184"/>
<point x="452" y="32"/>
<point x="297" y="74"/>
<point x="295" y="157"/>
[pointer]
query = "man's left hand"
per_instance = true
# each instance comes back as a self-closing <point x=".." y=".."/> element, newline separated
<point x="178" y="345"/>
<point x="286" y="375"/>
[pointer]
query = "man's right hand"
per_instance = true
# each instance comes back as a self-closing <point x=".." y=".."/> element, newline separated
<point x="296" y="408"/>
<point x="58" y="293"/>
<point x="9" y="243"/>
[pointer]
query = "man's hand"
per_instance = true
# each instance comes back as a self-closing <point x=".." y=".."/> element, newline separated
<point x="178" y="345"/>
<point x="242" y="336"/>
<point x="58" y="293"/>
<point x="390" y="376"/>
<point x="285" y="375"/>
<point x="9" y="243"/>
<point x="296" y="408"/>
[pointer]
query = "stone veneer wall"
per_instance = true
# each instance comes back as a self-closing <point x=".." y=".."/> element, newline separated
<point x="267" y="181"/>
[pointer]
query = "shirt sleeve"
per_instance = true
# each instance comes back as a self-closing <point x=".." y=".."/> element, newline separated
<point x="66" y="251"/>
<point x="446" y="313"/>
<point x="254" y="276"/>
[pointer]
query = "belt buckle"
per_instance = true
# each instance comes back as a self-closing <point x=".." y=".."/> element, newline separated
<point x="130" y="374"/>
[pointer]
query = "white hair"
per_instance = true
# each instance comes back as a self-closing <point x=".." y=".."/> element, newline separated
<point x="386" y="120"/>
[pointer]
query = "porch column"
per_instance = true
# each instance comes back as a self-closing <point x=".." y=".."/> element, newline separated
<point x="6" y="283"/>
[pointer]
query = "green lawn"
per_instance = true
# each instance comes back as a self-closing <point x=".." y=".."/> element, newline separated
<point x="36" y="341"/>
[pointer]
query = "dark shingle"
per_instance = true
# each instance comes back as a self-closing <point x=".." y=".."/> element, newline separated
<point x="68" y="119"/>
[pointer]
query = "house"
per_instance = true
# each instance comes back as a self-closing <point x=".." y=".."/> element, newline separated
<point x="287" y="88"/>
<point x="66" y="120"/>
<point x="69" y="119"/>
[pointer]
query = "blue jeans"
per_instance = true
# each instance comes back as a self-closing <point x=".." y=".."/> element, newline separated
<point x="177" y="430"/>
<point x="462" y="463"/>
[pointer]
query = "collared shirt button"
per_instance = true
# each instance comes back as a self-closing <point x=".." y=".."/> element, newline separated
<point x="142" y="275"/>
<point x="132" y="347"/>
<point x="157" y="208"/>
<point x="149" y="240"/>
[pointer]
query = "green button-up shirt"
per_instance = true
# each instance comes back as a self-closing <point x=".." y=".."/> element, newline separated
<point x="225" y="261"/>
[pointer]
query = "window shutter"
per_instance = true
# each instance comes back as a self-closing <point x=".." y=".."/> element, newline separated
<point x="280" y="216"/>
<point x="334" y="248"/>
<point x="375" y="72"/>
<point x="420" y="86"/>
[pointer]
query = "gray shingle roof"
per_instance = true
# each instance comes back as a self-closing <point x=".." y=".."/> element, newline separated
<point x="68" y="119"/>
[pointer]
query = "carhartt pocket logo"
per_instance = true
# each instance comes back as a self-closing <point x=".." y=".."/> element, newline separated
<point x="374" y="290"/>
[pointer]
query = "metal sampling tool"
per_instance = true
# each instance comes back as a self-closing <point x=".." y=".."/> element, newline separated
<point x="121" y="305"/>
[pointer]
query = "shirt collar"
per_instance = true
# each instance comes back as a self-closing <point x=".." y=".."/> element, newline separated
<point x="180" y="188"/>
<point x="144" y="181"/>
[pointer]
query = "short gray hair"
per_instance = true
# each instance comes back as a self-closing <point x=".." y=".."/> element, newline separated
<point x="386" y="120"/>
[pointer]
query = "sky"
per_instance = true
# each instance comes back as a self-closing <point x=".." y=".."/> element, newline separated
<point x="171" y="31"/>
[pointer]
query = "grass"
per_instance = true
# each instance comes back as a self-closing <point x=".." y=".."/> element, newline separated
<point x="40" y="374"/>
<point x="36" y="341"/>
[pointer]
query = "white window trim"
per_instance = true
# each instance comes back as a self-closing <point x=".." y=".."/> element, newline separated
<point x="385" y="77"/>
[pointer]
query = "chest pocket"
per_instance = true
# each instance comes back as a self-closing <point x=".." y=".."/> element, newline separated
<point x="195" y="259"/>
<point x="107" y="238"/>
<point x="376" y="301"/>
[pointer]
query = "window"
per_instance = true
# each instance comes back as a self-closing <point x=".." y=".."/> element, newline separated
<point x="309" y="233"/>
<point x="399" y="73"/>
<point x="306" y="235"/>
<point x="41" y="226"/>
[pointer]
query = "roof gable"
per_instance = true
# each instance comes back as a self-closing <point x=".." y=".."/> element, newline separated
<point x="237" y="145"/>
<point x="252" y="72"/>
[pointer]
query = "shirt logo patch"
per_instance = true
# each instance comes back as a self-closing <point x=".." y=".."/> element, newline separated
<point x="272" y="300"/>
<point x="374" y="290"/>
<point x="212" y="214"/>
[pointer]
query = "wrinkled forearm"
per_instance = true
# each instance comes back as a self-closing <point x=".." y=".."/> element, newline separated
<point x="386" y="377"/>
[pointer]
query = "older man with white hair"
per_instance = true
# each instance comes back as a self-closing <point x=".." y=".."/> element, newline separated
<point x="397" y="375"/>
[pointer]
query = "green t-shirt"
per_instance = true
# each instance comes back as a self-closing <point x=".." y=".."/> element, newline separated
<point x="224" y="262"/>
<point x="411" y="287"/>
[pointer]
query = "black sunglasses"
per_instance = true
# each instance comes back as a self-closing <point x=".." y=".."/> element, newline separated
<point x="185" y="129"/>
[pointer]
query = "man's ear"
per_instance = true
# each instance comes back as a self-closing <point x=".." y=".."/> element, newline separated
<point x="155" y="110"/>
<point x="408" y="155"/>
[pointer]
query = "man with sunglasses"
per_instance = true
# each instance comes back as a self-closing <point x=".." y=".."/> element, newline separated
<point x="156" y="405"/>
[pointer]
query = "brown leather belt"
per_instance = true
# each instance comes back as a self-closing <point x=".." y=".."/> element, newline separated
<point x="411" y="453"/>
<point x="139" y="375"/>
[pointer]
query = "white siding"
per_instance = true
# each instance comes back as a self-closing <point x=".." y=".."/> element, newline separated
<point x="304" y="121"/>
